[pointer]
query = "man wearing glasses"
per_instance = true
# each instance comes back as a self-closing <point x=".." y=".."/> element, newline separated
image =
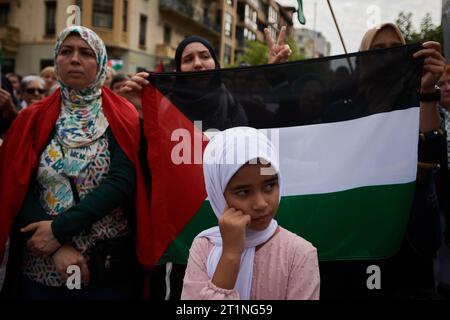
<point x="32" y="90"/>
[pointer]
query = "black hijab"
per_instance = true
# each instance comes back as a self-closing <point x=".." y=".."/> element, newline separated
<point x="183" y="44"/>
<point x="211" y="103"/>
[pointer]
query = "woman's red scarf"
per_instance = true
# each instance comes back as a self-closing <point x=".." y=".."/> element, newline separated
<point x="26" y="139"/>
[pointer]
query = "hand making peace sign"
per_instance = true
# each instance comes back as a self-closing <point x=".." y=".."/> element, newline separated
<point x="278" y="52"/>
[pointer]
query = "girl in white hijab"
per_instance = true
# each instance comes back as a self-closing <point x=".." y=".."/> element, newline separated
<point x="248" y="256"/>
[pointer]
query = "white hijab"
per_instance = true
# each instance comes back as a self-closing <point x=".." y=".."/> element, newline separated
<point x="224" y="155"/>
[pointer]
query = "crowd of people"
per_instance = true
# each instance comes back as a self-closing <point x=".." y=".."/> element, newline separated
<point x="76" y="188"/>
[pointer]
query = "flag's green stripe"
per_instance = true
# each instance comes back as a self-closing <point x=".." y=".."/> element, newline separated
<point x="362" y="223"/>
<point x="178" y="252"/>
<point x="371" y="220"/>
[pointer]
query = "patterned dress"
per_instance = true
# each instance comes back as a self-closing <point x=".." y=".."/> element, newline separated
<point x="56" y="197"/>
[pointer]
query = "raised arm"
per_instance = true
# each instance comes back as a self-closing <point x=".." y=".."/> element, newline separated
<point x="279" y="51"/>
<point x="434" y="66"/>
<point x="132" y="90"/>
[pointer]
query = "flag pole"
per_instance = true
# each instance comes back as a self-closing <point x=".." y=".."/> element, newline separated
<point x="337" y="26"/>
<point x="340" y="34"/>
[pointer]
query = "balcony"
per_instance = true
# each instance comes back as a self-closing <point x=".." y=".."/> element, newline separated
<point x="188" y="15"/>
<point x="209" y="23"/>
<point x="164" y="50"/>
<point x="10" y="38"/>
<point x="183" y="7"/>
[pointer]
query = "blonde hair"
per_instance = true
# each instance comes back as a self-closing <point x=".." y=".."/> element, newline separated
<point x="48" y="71"/>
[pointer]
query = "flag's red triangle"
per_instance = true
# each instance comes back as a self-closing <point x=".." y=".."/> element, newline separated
<point x="160" y="67"/>
<point x="178" y="190"/>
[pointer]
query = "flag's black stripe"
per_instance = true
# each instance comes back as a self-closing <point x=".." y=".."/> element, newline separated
<point x="323" y="90"/>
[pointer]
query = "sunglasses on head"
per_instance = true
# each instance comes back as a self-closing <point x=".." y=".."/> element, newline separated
<point x="33" y="90"/>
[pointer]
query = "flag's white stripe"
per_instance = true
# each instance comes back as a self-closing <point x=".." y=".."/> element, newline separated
<point x="379" y="149"/>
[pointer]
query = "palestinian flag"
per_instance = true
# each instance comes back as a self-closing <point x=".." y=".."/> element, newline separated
<point x="115" y="64"/>
<point x="347" y="130"/>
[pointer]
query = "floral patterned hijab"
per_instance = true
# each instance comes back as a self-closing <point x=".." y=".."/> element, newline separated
<point x="82" y="120"/>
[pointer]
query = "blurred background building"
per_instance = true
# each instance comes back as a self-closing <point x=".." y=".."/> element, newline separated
<point x="312" y="44"/>
<point x="139" y="34"/>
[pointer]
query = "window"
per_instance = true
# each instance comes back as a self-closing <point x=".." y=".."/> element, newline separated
<point x="9" y="65"/>
<point x="251" y="16"/>
<point x="50" y="21"/>
<point x="227" y="55"/>
<point x="47" y="63"/>
<point x="245" y="34"/>
<point x="273" y="15"/>
<point x="228" y="24"/>
<point x="79" y="3"/>
<point x="249" y="35"/>
<point x="142" y="30"/>
<point x="125" y="16"/>
<point x="4" y="14"/>
<point x="254" y="3"/>
<point x="273" y="32"/>
<point x="167" y="34"/>
<point x="103" y="13"/>
<point x="240" y="36"/>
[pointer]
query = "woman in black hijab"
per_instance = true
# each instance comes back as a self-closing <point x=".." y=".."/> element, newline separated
<point x="204" y="97"/>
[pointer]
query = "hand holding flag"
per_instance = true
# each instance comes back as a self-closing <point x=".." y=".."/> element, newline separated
<point x="434" y="65"/>
<point x="133" y="87"/>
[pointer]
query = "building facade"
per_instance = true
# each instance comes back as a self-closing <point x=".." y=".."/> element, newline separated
<point x="312" y="44"/>
<point x="140" y="33"/>
<point x="255" y="15"/>
<point x="27" y="33"/>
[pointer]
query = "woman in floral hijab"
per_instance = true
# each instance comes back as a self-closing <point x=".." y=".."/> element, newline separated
<point x="73" y="201"/>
